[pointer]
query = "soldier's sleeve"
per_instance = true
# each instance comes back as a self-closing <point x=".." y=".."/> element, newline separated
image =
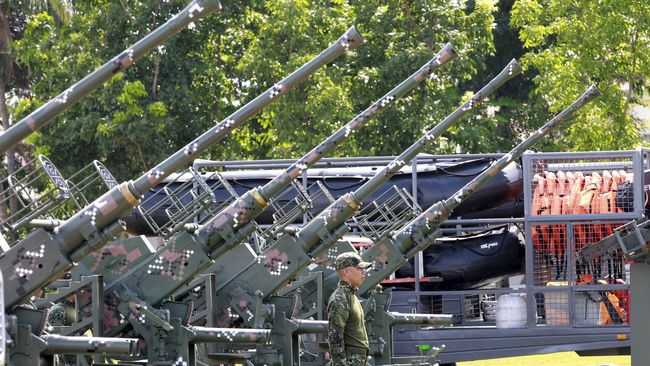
<point x="337" y="316"/>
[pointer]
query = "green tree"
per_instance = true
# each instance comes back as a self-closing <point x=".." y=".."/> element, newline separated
<point x="12" y="17"/>
<point x="573" y="44"/>
<point x="203" y="74"/>
<point x="105" y="125"/>
<point x="400" y="36"/>
<point x="513" y="112"/>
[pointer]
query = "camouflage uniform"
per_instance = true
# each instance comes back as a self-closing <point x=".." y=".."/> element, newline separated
<point x="346" y="333"/>
<point x="58" y="314"/>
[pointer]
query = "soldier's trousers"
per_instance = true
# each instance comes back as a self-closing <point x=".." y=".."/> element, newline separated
<point x="355" y="359"/>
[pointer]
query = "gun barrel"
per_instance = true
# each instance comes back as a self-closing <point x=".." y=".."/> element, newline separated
<point x="336" y="214"/>
<point x="434" y="320"/>
<point x="511" y="70"/>
<point x="229" y="335"/>
<point x="304" y="326"/>
<point x="44" y="223"/>
<point x="57" y="344"/>
<point x="196" y="10"/>
<point x="124" y="197"/>
<point x="281" y="260"/>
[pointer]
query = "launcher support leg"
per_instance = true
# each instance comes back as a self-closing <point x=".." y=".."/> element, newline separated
<point x="640" y="317"/>
<point x="211" y="321"/>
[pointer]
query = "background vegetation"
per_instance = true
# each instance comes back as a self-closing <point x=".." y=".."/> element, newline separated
<point x="204" y="73"/>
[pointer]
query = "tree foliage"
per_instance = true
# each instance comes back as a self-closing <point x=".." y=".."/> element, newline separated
<point x="203" y="74"/>
<point x="572" y="44"/>
<point x="206" y="72"/>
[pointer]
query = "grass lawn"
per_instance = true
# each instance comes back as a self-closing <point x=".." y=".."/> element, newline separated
<point x="554" y="359"/>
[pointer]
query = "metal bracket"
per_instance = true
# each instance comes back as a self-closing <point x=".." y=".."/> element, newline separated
<point x="258" y="320"/>
<point x="154" y="318"/>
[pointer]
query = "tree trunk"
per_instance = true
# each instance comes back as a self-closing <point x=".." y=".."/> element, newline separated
<point x="4" y="116"/>
<point x="5" y="211"/>
<point x="6" y="61"/>
<point x="156" y="61"/>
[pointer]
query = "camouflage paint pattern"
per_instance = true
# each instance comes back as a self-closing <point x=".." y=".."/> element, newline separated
<point x="170" y="262"/>
<point x="271" y="270"/>
<point x="275" y="262"/>
<point x="317" y="237"/>
<point x="345" y="324"/>
<point x="284" y="260"/>
<point x="390" y="253"/>
<point x="353" y="359"/>
<point x="115" y="259"/>
<point x="173" y="265"/>
<point x="350" y="259"/>
<point x="37" y="260"/>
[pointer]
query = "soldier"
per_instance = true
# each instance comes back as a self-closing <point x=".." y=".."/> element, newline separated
<point x="346" y="331"/>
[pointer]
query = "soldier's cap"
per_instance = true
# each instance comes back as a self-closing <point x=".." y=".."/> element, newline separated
<point x="350" y="259"/>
